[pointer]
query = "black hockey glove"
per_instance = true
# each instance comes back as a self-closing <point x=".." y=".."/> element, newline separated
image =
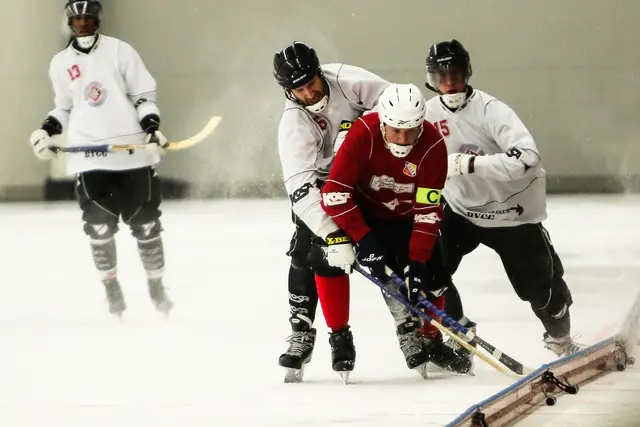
<point x="420" y="282"/>
<point x="371" y="254"/>
<point x="151" y="124"/>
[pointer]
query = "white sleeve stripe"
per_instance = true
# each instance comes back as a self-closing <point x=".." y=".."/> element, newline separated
<point x="300" y="173"/>
<point x="425" y="232"/>
<point x="339" y="183"/>
<point x="343" y="213"/>
<point x="440" y="141"/>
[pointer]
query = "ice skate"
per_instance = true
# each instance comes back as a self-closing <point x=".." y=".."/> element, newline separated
<point x="411" y="344"/>
<point x="563" y="346"/>
<point x="159" y="296"/>
<point x="115" y="298"/>
<point x="299" y="353"/>
<point x="343" y="353"/>
<point x="459" y="349"/>
<point x="445" y="357"/>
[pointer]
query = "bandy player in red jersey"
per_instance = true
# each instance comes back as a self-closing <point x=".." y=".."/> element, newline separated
<point x="383" y="191"/>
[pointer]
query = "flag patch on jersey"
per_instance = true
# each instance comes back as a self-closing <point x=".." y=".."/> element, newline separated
<point x="410" y="169"/>
<point x="428" y="196"/>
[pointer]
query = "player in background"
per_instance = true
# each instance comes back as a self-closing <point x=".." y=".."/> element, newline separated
<point x="495" y="193"/>
<point x="104" y="94"/>
<point x="384" y="192"/>
<point x="322" y="102"/>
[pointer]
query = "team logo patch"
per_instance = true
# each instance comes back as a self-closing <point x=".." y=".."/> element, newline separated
<point x="95" y="94"/>
<point x="409" y="169"/>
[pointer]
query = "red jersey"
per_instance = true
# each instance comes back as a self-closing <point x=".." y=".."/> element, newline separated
<point x="366" y="177"/>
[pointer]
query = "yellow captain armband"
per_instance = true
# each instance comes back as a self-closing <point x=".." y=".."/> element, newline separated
<point x="428" y="196"/>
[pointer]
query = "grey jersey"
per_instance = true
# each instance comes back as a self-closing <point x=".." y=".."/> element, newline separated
<point x="306" y="140"/>
<point x="508" y="186"/>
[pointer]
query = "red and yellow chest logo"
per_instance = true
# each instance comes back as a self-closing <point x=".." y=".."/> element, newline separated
<point x="410" y="169"/>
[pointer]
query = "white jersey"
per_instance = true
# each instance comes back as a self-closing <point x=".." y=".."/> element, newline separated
<point x="100" y="98"/>
<point x="508" y="186"/>
<point x="306" y="140"/>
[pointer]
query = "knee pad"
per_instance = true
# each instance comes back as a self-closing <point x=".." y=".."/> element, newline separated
<point x="301" y="264"/>
<point x="100" y="231"/>
<point x="147" y="231"/>
<point x="557" y="303"/>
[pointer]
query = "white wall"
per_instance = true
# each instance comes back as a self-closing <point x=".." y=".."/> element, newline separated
<point x="571" y="72"/>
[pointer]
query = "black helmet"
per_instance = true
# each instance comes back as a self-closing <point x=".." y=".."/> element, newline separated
<point x="446" y="57"/>
<point x="295" y="65"/>
<point x="90" y="8"/>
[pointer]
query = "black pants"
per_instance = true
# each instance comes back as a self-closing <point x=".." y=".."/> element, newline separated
<point x="395" y="237"/>
<point x="105" y="196"/>
<point x="528" y="257"/>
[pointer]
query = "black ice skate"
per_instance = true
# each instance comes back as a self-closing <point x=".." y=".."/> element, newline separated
<point x="115" y="298"/>
<point x="298" y="354"/>
<point x="459" y="349"/>
<point x="447" y="358"/>
<point x="343" y="352"/>
<point x="159" y="296"/>
<point x="411" y="344"/>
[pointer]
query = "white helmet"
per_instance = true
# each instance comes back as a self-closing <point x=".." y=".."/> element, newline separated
<point x="401" y="106"/>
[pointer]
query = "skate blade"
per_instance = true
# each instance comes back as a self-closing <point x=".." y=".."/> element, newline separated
<point x="423" y="370"/>
<point x="165" y="308"/>
<point x="435" y="369"/>
<point x="117" y="313"/>
<point x="292" y="375"/>
<point x="345" y="376"/>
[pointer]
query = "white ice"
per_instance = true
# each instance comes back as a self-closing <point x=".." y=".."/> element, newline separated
<point x="66" y="362"/>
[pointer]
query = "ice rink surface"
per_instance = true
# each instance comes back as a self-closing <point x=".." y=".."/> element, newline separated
<point x="67" y="362"/>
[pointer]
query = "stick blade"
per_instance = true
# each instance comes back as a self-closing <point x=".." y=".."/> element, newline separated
<point x="209" y="129"/>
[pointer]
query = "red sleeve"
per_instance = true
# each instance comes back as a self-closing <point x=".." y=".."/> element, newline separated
<point x="431" y="176"/>
<point x="337" y="193"/>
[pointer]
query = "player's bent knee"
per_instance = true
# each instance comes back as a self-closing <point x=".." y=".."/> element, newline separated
<point x="100" y="231"/>
<point x="553" y="304"/>
<point x="299" y="263"/>
<point x="147" y="231"/>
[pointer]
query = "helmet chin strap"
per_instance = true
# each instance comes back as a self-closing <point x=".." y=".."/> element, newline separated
<point x="86" y="42"/>
<point x="454" y="100"/>
<point x="318" y="106"/>
<point x="397" y="149"/>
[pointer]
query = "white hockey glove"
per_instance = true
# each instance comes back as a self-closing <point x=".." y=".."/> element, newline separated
<point x="345" y="125"/>
<point x="339" y="251"/>
<point x="158" y="140"/>
<point x="42" y="145"/>
<point x="461" y="164"/>
<point x="151" y="123"/>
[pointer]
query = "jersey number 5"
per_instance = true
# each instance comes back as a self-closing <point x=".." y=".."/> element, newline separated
<point x="74" y="72"/>
<point x="443" y="127"/>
